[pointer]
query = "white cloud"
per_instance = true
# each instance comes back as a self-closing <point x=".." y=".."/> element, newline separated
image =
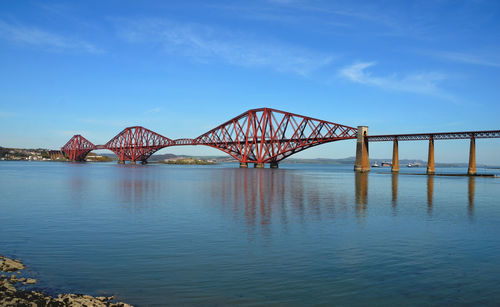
<point x="207" y="44"/>
<point x="483" y="60"/>
<point x="37" y="37"/>
<point x="419" y="83"/>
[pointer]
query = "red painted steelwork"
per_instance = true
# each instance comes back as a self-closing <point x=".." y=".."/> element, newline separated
<point x="257" y="136"/>
<point x="77" y="148"/>
<point x="267" y="135"/>
<point x="137" y="144"/>
<point x="185" y="142"/>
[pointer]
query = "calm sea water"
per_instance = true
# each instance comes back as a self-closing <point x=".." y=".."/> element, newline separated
<point x="220" y="235"/>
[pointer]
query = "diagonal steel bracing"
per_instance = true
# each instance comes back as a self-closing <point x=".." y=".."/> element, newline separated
<point x="260" y="136"/>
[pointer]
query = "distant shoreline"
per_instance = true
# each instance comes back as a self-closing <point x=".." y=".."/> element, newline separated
<point x="293" y="161"/>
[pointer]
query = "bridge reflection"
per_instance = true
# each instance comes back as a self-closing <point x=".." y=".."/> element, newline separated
<point x="430" y="193"/>
<point x="394" y="185"/>
<point x="471" y="192"/>
<point x="361" y="193"/>
<point x="263" y="199"/>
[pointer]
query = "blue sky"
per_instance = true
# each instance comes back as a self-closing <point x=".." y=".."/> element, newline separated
<point x="182" y="67"/>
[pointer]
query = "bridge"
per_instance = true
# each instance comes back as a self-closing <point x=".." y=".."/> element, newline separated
<point x="257" y="136"/>
<point x="263" y="136"/>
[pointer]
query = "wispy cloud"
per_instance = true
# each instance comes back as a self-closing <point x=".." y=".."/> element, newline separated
<point x="37" y="37"/>
<point x="153" y="110"/>
<point x="207" y="44"/>
<point x="419" y="83"/>
<point x="467" y="58"/>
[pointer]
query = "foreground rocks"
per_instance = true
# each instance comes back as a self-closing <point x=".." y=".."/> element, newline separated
<point x="9" y="265"/>
<point x="12" y="296"/>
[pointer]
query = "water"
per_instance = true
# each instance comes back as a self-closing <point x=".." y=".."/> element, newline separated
<point x="220" y="235"/>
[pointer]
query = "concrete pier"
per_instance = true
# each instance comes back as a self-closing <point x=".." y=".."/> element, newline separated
<point x="362" y="163"/>
<point x="395" y="157"/>
<point x="133" y="162"/>
<point x="258" y="165"/>
<point x="472" y="157"/>
<point x="121" y="162"/>
<point x="431" y="167"/>
<point x="274" y="165"/>
<point x="243" y="165"/>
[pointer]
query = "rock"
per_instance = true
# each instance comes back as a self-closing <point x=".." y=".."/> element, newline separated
<point x="10" y="296"/>
<point x="9" y="265"/>
<point x="5" y="285"/>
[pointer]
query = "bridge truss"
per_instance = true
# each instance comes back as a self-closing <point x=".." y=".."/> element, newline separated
<point x="258" y="136"/>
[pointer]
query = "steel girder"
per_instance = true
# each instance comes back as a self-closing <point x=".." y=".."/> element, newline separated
<point x="435" y="136"/>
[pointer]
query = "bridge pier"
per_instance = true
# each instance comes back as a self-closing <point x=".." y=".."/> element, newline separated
<point x="472" y="157"/>
<point x="431" y="167"/>
<point x="243" y="165"/>
<point x="121" y="162"/>
<point x="395" y="156"/>
<point x="274" y="165"/>
<point x="133" y="162"/>
<point x="362" y="163"/>
<point x="144" y="162"/>
<point x="258" y="165"/>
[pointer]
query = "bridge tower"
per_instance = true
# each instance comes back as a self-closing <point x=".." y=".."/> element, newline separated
<point x="362" y="163"/>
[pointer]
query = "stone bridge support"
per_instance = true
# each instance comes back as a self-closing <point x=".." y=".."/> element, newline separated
<point x="472" y="157"/>
<point x="362" y="163"/>
<point x="395" y="156"/>
<point x="431" y="167"/>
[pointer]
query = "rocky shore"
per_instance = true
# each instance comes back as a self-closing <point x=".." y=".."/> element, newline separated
<point x="12" y="295"/>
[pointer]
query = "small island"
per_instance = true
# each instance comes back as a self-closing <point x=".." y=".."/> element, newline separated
<point x="188" y="161"/>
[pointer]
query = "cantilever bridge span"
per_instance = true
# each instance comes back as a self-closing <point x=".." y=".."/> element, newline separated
<point x="257" y="136"/>
<point x="268" y="136"/>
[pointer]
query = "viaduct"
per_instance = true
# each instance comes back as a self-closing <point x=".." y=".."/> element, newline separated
<point x="267" y="136"/>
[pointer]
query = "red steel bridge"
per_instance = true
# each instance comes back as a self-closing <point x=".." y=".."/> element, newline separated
<point x="266" y="135"/>
<point x="257" y="136"/>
